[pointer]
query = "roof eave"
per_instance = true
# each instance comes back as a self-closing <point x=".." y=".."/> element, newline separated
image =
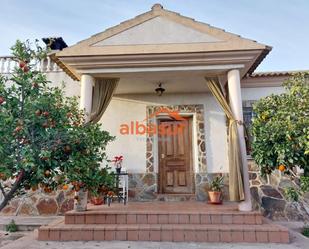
<point x="260" y="58"/>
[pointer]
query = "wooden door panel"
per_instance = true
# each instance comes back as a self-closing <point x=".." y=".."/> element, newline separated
<point x="170" y="178"/>
<point x="181" y="176"/>
<point x="175" y="164"/>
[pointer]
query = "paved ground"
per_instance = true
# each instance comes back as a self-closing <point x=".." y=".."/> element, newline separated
<point x="26" y="223"/>
<point x="30" y="242"/>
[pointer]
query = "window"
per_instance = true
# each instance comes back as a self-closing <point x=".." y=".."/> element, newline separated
<point x="248" y="115"/>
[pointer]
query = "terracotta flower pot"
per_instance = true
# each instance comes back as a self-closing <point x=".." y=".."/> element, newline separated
<point x="215" y="197"/>
<point x="97" y="200"/>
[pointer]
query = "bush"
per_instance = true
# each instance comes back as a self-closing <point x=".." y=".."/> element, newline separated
<point x="281" y="128"/>
<point x="291" y="194"/>
<point x="305" y="231"/>
<point x="11" y="227"/>
<point x="304" y="184"/>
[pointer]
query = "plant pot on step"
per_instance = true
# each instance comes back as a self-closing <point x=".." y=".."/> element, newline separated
<point x="215" y="189"/>
<point x="215" y="197"/>
<point x="98" y="200"/>
<point x="80" y="200"/>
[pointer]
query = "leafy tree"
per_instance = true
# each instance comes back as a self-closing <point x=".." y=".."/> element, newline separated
<point x="44" y="141"/>
<point x="281" y="128"/>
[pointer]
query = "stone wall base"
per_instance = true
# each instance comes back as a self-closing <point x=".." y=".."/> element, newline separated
<point x="267" y="196"/>
<point x="40" y="203"/>
<point x="143" y="187"/>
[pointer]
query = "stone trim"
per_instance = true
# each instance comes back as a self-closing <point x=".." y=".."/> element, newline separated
<point x="199" y="127"/>
<point x="143" y="187"/>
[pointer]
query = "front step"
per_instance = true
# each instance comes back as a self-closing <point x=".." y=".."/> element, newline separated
<point x="166" y="232"/>
<point x="164" y="221"/>
<point x="163" y="217"/>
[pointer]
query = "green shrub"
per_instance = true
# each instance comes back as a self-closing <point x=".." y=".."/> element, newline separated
<point x="305" y="231"/>
<point x="304" y="184"/>
<point x="281" y="128"/>
<point x="11" y="227"/>
<point x="291" y="194"/>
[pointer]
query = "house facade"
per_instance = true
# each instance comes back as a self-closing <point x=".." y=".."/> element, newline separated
<point x="147" y="81"/>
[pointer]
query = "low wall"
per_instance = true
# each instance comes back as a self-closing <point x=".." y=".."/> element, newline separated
<point x="143" y="187"/>
<point x="41" y="203"/>
<point x="267" y="196"/>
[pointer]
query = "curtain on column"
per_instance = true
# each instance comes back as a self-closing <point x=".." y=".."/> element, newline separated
<point x="236" y="187"/>
<point x="103" y="92"/>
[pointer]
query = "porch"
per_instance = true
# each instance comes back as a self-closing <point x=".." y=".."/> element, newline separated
<point x="165" y="221"/>
<point x="119" y="70"/>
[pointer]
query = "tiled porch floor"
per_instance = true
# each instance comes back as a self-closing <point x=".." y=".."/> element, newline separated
<point x="148" y="207"/>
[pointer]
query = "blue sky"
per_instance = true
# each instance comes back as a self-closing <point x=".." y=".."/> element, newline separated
<point x="282" y="24"/>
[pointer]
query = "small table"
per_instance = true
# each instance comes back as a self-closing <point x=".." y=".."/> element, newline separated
<point x="122" y="188"/>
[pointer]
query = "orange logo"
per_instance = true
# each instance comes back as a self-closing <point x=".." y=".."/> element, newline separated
<point x="148" y="125"/>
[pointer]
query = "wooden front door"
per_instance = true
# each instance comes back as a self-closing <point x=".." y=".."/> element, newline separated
<point x="175" y="156"/>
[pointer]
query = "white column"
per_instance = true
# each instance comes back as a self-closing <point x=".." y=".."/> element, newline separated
<point x="236" y="106"/>
<point x="87" y="82"/>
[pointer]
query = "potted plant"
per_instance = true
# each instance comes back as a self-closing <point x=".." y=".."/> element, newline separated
<point x="118" y="163"/>
<point x="215" y="190"/>
<point x="88" y="182"/>
<point x="102" y="183"/>
<point x="96" y="198"/>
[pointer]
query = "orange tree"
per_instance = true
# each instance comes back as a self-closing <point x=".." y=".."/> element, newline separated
<point x="44" y="141"/>
<point x="281" y="128"/>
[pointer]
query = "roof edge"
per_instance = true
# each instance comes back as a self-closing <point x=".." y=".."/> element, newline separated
<point x="258" y="61"/>
<point x="275" y="73"/>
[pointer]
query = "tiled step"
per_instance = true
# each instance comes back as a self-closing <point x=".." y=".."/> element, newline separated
<point x="176" y="197"/>
<point x="166" y="232"/>
<point x="110" y="216"/>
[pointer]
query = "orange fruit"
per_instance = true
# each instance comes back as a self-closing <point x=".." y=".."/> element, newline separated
<point x="281" y="168"/>
<point x="65" y="187"/>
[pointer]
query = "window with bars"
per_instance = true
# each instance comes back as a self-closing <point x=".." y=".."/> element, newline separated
<point x="248" y="114"/>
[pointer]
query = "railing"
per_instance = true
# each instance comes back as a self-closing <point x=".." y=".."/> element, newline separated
<point x="7" y="65"/>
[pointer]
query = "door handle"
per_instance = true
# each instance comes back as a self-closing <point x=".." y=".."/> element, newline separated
<point x="162" y="156"/>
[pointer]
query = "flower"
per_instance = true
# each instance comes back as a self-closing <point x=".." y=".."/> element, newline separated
<point x="118" y="161"/>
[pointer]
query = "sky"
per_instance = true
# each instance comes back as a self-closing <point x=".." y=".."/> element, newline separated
<point x="282" y="24"/>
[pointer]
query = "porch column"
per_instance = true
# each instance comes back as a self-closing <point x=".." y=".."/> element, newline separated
<point x="87" y="82"/>
<point x="236" y="107"/>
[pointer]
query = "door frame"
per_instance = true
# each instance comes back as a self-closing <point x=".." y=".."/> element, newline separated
<point x="193" y="154"/>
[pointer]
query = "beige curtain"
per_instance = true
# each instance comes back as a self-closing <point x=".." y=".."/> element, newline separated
<point x="236" y="187"/>
<point x="103" y="92"/>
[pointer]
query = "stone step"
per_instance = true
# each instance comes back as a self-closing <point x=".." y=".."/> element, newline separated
<point x="266" y="233"/>
<point x="109" y="216"/>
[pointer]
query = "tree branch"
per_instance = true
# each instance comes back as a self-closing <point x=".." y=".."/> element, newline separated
<point x="10" y="194"/>
<point x="2" y="190"/>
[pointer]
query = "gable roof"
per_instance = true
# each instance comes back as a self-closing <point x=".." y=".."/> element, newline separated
<point x="103" y="44"/>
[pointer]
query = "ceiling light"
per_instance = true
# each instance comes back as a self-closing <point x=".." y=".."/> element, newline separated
<point x="160" y="90"/>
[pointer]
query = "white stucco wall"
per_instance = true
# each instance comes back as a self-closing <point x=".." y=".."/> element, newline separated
<point x="127" y="108"/>
<point x="256" y="93"/>
<point x="72" y="88"/>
